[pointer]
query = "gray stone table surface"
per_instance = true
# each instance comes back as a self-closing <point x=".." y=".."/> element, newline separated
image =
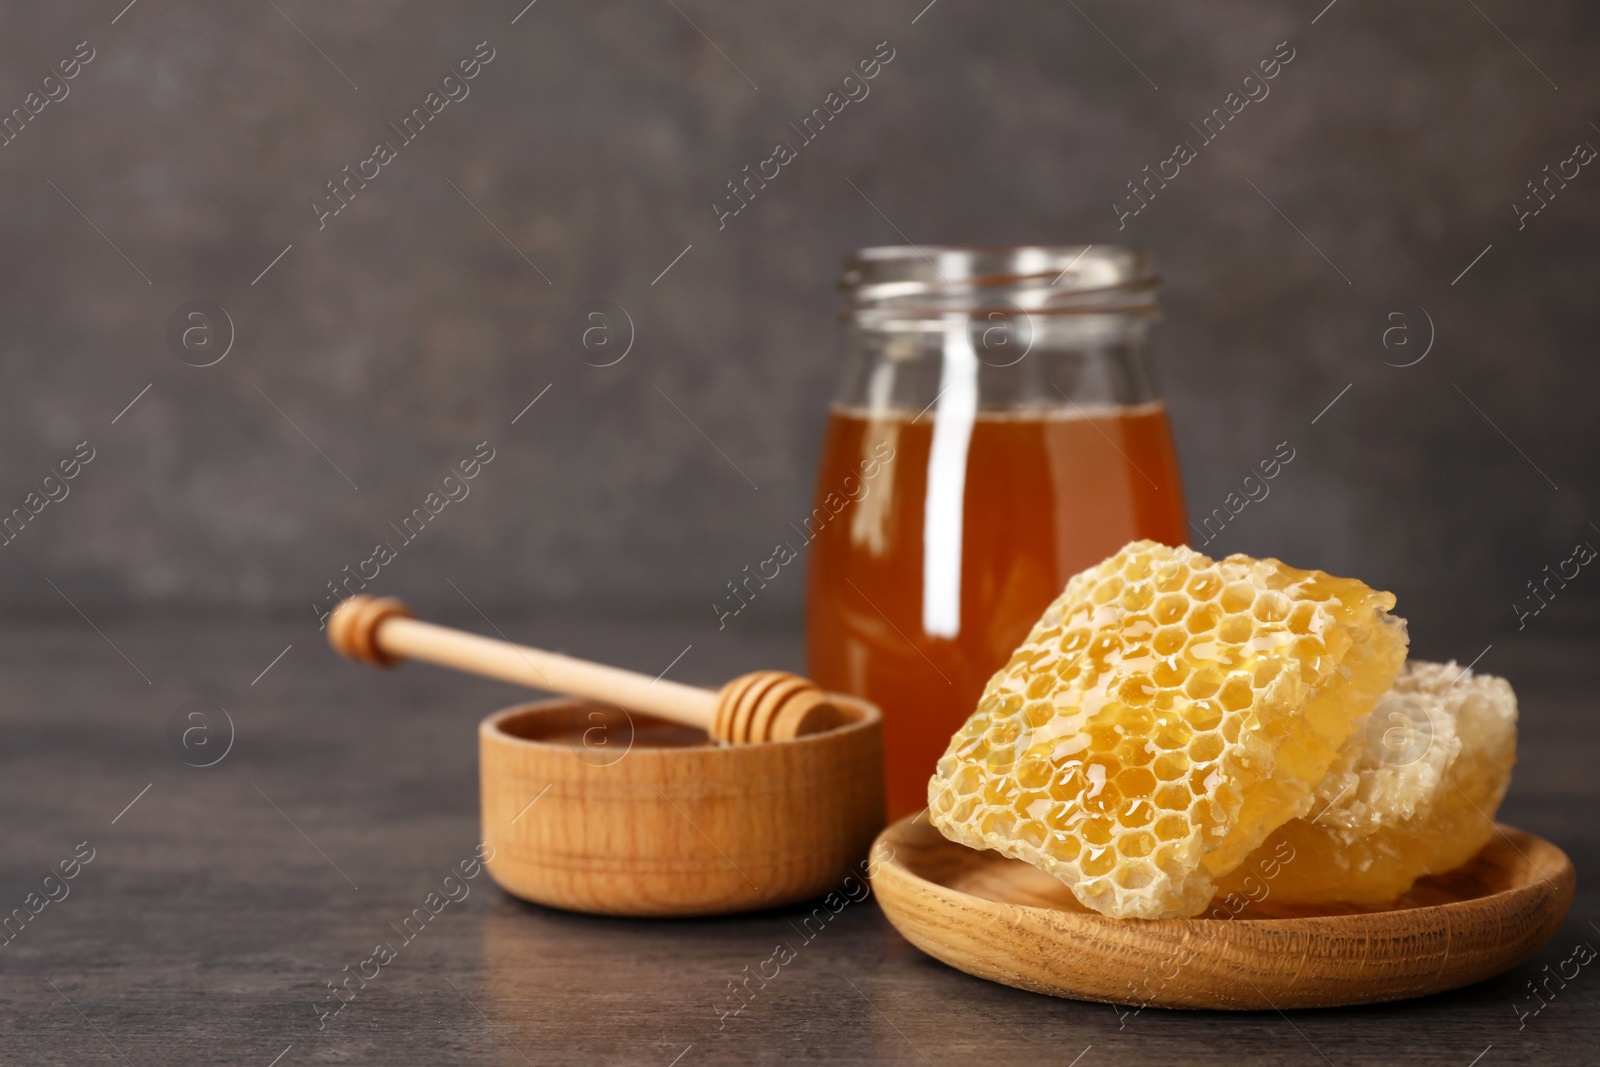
<point x="217" y="907"/>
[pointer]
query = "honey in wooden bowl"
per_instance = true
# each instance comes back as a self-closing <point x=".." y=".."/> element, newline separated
<point x="593" y="809"/>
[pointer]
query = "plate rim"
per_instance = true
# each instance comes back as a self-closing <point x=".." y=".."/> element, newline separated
<point x="1547" y="896"/>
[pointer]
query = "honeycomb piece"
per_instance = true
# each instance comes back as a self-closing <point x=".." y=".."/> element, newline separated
<point x="1413" y="793"/>
<point x="1165" y="715"/>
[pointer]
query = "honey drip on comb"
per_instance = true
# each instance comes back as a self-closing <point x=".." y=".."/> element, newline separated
<point x="1165" y="715"/>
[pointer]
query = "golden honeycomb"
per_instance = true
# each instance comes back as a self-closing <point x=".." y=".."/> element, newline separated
<point x="1413" y="793"/>
<point x="1164" y="716"/>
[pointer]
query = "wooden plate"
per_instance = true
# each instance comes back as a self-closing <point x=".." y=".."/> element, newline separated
<point x="1006" y="921"/>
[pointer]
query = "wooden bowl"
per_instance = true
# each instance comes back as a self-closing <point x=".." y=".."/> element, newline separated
<point x="1006" y="921"/>
<point x="594" y="809"/>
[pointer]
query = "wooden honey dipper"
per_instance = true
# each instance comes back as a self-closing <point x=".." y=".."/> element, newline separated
<point x="762" y="706"/>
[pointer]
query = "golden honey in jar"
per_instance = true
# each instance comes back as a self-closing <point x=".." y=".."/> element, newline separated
<point x="997" y="431"/>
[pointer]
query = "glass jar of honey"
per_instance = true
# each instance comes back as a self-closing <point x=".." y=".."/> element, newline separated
<point x="997" y="430"/>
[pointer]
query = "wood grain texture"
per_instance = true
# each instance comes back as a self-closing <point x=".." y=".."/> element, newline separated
<point x="1007" y="921"/>
<point x="591" y="809"/>
<point x="759" y="706"/>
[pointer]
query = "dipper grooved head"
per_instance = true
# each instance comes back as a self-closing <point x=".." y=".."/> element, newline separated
<point x="354" y="624"/>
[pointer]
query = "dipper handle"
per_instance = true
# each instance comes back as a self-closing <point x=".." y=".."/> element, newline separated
<point x="764" y="706"/>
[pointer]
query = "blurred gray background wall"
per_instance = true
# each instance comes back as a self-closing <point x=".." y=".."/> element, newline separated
<point x="1373" y="189"/>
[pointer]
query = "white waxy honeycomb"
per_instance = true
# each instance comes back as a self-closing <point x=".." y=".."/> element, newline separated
<point x="1413" y="792"/>
<point x="1165" y="715"/>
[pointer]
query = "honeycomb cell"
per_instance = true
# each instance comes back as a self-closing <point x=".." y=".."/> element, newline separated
<point x="1136" y="751"/>
<point x="1100" y="861"/>
<point x="1074" y="641"/>
<point x="1170" y="640"/>
<point x="1136" y="846"/>
<point x="1167" y="577"/>
<point x="1135" y="719"/>
<point x="1063" y="848"/>
<point x="1104" y="802"/>
<point x="1172" y="732"/>
<point x="1034" y="771"/>
<point x="1236" y="629"/>
<point x="1137" y="782"/>
<point x="1204" y="682"/>
<point x="998" y="792"/>
<point x="1136" y="812"/>
<point x="1173" y="796"/>
<point x="1236" y="693"/>
<point x="1172" y="827"/>
<point x="1034" y="806"/>
<point x="1169" y="674"/>
<point x="1039" y="686"/>
<point x="1203" y="715"/>
<point x="1036" y="713"/>
<point x="1136" y="599"/>
<point x="1206" y="748"/>
<point x="1271" y="606"/>
<point x="1001" y="823"/>
<point x="999" y="760"/>
<point x="1237" y="597"/>
<point x="1003" y="731"/>
<point x="1169" y="860"/>
<point x="1129" y="743"/>
<point x="1171" y="766"/>
<point x="1107" y="591"/>
<point x="1067" y="784"/>
<point x="1203" y="619"/>
<point x="1136" y="690"/>
<point x="1137" y="630"/>
<point x="1171" y="608"/>
<point x="1104" y="736"/>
